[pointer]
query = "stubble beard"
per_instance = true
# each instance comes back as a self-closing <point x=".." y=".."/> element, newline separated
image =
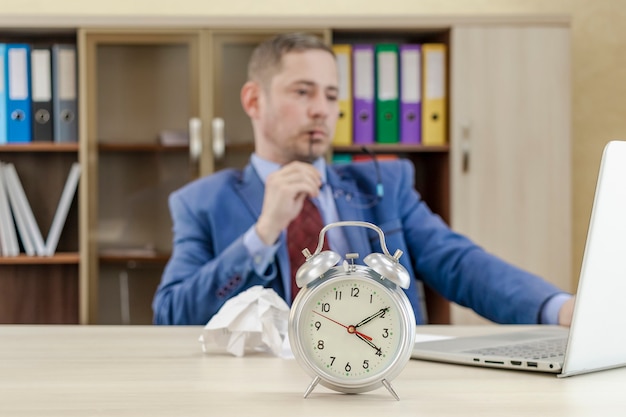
<point x="310" y="155"/>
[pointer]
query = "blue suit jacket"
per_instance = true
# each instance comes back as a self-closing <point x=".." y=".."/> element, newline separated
<point x="210" y="263"/>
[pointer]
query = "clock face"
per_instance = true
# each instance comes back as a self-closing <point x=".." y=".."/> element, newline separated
<point x="352" y="330"/>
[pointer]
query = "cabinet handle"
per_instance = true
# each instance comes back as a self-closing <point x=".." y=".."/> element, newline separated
<point x="218" y="138"/>
<point x="466" y="159"/>
<point x="195" y="139"/>
<point x="465" y="148"/>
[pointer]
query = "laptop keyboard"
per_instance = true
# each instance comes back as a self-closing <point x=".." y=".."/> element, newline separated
<point x="540" y="349"/>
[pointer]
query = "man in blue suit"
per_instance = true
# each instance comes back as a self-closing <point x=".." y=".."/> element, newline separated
<point x="230" y="227"/>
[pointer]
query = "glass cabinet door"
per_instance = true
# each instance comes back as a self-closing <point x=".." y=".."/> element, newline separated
<point x="143" y="90"/>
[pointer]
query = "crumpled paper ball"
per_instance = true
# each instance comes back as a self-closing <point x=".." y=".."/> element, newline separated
<point x="253" y="321"/>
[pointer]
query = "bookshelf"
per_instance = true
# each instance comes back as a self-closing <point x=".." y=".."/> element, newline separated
<point x="138" y="81"/>
<point x="40" y="289"/>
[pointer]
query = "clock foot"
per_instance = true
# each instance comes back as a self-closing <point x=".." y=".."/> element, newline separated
<point x="311" y="386"/>
<point x="390" y="389"/>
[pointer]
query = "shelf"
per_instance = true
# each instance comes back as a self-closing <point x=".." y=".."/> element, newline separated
<point x="391" y="147"/>
<point x="57" y="258"/>
<point x="375" y="147"/>
<point x="141" y="147"/>
<point x="240" y="147"/>
<point x="39" y="147"/>
<point x="133" y="256"/>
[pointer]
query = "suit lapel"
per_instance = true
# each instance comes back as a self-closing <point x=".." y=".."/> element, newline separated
<point x="250" y="189"/>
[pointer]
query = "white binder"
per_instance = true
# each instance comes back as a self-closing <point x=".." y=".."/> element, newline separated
<point x="62" y="209"/>
<point x="22" y="211"/>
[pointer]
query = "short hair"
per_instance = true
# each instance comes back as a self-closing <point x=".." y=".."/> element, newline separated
<point x="266" y="60"/>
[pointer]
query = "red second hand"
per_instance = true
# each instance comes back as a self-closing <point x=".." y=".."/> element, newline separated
<point x="350" y="329"/>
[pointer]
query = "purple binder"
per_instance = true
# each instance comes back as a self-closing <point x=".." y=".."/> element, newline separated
<point x="410" y="94"/>
<point x="363" y="93"/>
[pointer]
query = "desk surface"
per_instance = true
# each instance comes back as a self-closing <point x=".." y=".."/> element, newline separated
<point x="161" y="371"/>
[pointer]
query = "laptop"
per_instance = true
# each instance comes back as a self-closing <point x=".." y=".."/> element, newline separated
<point x="596" y="339"/>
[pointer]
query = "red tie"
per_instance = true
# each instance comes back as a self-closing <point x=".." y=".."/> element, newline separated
<point x="303" y="232"/>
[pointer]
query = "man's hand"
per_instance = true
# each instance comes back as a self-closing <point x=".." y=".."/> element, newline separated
<point x="566" y="312"/>
<point x="285" y="191"/>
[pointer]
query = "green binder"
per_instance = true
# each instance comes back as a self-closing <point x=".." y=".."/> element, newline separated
<point x="387" y="93"/>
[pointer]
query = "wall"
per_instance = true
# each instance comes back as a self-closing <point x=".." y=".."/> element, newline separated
<point x="598" y="42"/>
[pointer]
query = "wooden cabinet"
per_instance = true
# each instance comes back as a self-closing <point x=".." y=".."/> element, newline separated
<point x="510" y="145"/>
<point x="42" y="289"/>
<point x="37" y="289"/>
<point x="503" y="178"/>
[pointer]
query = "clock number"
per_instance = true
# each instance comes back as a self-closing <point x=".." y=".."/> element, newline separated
<point x="332" y="360"/>
<point x="320" y="344"/>
<point x="371" y="298"/>
<point x="318" y="325"/>
<point x="385" y="333"/>
<point x="337" y="295"/>
<point x="354" y="292"/>
<point x="366" y="364"/>
<point x="379" y="352"/>
<point x="325" y="307"/>
<point x="348" y="368"/>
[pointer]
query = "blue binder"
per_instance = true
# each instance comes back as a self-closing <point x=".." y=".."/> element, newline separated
<point x="17" y="87"/>
<point x="3" y="96"/>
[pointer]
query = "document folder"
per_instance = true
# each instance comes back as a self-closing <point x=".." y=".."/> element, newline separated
<point x="410" y="94"/>
<point x="64" y="104"/>
<point x="363" y="90"/>
<point x="434" y="119"/>
<point x="3" y="95"/>
<point x="343" y="131"/>
<point x="41" y="86"/>
<point x="18" y="104"/>
<point x="341" y="158"/>
<point x="8" y="235"/>
<point x="67" y="196"/>
<point x="18" y="214"/>
<point x="387" y="124"/>
<point x="21" y="208"/>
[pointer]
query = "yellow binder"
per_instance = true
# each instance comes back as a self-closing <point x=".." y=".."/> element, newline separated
<point x="434" y="105"/>
<point x="343" y="132"/>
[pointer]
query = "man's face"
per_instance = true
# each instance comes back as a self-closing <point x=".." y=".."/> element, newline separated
<point x="298" y="111"/>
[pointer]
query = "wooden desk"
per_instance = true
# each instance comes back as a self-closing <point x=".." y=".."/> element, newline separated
<point x="161" y="371"/>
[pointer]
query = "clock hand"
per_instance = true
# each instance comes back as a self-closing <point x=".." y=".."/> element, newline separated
<point x="373" y="316"/>
<point x="351" y="329"/>
<point x="369" y="342"/>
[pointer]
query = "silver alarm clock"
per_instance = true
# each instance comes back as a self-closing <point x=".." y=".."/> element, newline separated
<point x="352" y="327"/>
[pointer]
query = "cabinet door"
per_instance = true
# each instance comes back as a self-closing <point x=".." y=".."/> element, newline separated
<point x="229" y="68"/>
<point x="142" y="92"/>
<point x="510" y="146"/>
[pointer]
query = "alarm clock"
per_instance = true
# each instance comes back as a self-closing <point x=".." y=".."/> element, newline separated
<point x="352" y="327"/>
